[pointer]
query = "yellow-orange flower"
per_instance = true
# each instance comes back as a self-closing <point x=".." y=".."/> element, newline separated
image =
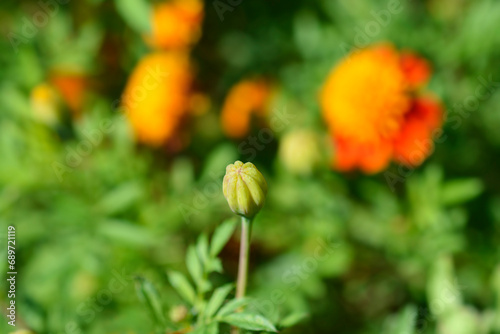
<point x="176" y="24"/>
<point x="244" y="99"/>
<point x="372" y="108"/>
<point x="156" y="97"/>
<point x="45" y="104"/>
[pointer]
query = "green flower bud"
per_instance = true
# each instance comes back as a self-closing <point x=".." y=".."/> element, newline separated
<point x="178" y="313"/>
<point x="302" y="152"/>
<point x="244" y="188"/>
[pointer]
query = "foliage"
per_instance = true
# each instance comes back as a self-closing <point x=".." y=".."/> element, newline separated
<point x="113" y="236"/>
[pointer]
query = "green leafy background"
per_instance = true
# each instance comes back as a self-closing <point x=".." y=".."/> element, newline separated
<point x="419" y="255"/>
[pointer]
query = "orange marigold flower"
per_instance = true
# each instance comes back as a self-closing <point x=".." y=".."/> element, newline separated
<point x="157" y="96"/>
<point x="72" y="87"/>
<point x="416" y="69"/>
<point x="414" y="143"/>
<point x="176" y="24"/>
<point x="372" y="109"/>
<point x="244" y="99"/>
<point x="369" y="157"/>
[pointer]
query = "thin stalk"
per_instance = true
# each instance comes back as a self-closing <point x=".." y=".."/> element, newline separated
<point x="246" y="231"/>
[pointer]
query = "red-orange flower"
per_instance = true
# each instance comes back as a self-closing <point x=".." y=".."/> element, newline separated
<point x="374" y="112"/>
<point x="413" y="143"/>
<point x="72" y="87"/>
<point x="246" y="98"/>
<point x="176" y="24"/>
<point x="156" y="97"/>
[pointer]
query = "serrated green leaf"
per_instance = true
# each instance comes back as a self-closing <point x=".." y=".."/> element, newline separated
<point x="441" y="284"/>
<point x="212" y="328"/>
<point x="221" y="236"/>
<point x="150" y="297"/>
<point x="459" y="191"/>
<point x="403" y="322"/>
<point x="214" y="264"/>
<point x="232" y="306"/>
<point x="293" y="319"/>
<point x="121" y="198"/>
<point x="181" y="176"/>
<point x="194" y="266"/>
<point x="137" y="14"/>
<point x="127" y="233"/>
<point x="206" y="286"/>
<point x="202" y="248"/>
<point x="182" y="286"/>
<point x="253" y="322"/>
<point x="217" y="299"/>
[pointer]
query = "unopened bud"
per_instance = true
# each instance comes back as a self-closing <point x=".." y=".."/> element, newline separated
<point x="244" y="188"/>
<point x="178" y="313"/>
<point x="301" y="152"/>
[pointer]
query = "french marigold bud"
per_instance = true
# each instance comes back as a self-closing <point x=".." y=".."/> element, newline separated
<point x="178" y="313"/>
<point x="301" y="152"/>
<point x="244" y="188"/>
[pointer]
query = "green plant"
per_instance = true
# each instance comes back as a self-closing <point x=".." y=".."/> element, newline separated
<point x="209" y="307"/>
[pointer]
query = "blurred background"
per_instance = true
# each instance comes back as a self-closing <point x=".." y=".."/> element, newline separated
<point x="118" y="118"/>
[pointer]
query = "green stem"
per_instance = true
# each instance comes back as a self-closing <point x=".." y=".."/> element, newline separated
<point x="246" y="231"/>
